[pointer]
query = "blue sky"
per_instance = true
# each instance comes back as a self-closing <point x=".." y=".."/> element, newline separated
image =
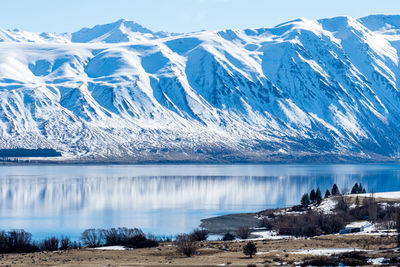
<point x="178" y="15"/>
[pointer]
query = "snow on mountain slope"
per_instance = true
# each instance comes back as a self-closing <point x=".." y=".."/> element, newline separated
<point x="117" y="32"/>
<point x="326" y="88"/>
<point x="17" y="35"/>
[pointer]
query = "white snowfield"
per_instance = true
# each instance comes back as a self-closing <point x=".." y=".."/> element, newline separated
<point x="111" y="248"/>
<point x="326" y="251"/>
<point x="386" y="195"/>
<point x="120" y="91"/>
<point x="269" y="235"/>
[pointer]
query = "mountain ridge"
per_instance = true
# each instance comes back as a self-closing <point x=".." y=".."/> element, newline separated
<point x="302" y="89"/>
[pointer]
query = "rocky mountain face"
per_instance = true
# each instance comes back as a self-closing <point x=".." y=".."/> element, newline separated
<point x="304" y="89"/>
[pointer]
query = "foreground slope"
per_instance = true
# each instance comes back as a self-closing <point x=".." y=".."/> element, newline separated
<point x="304" y="88"/>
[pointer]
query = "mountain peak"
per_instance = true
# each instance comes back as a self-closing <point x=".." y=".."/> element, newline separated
<point x="118" y="31"/>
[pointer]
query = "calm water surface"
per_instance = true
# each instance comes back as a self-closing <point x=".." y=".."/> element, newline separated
<point x="162" y="199"/>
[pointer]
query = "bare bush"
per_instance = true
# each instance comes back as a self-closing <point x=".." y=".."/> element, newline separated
<point x="20" y="241"/>
<point x="228" y="237"/>
<point x="3" y="242"/>
<point x="50" y="244"/>
<point x="331" y="224"/>
<point x="92" y="238"/>
<point x="135" y="238"/>
<point x="65" y="243"/>
<point x="243" y="232"/>
<point x="185" y="245"/>
<point x="199" y="234"/>
<point x="76" y="245"/>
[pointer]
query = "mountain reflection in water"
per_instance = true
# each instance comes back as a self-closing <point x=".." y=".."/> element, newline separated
<point x="162" y="199"/>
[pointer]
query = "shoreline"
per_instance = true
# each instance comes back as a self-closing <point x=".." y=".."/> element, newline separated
<point x="187" y="162"/>
<point x="367" y="250"/>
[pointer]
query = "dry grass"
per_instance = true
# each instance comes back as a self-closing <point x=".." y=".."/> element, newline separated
<point x="211" y="253"/>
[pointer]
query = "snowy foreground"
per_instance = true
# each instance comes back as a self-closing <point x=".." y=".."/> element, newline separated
<point x="119" y="91"/>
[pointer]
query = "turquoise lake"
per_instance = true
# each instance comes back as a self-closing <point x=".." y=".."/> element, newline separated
<point x="60" y="200"/>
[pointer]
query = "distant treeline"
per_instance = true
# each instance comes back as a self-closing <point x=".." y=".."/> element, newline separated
<point x="24" y="153"/>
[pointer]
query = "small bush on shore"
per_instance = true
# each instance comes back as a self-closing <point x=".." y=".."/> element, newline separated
<point x="50" y="244"/>
<point x="199" y="234"/>
<point x="185" y="245"/>
<point x="243" y="232"/>
<point x="65" y="243"/>
<point x="76" y="245"/>
<point x="92" y="238"/>
<point x="228" y="237"/>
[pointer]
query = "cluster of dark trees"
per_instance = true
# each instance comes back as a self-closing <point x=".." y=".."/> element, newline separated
<point x="358" y="189"/>
<point x="20" y="241"/>
<point x="128" y="237"/>
<point x="315" y="196"/>
<point x="24" y="153"/>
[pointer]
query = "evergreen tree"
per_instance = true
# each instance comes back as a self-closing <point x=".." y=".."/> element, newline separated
<point x="355" y="189"/>
<point x="305" y="200"/>
<point x="335" y="190"/>
<point x="361" y="189"/>
<point x="312" y="196"/>
<point x="318" y="195"/>
<point x="250" y="249"/>
<point x="327" y="193"/>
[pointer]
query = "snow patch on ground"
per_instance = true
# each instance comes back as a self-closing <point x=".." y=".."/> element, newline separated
<point x="360" y="224"/>
<point x="112" y="248"/>
<point x="327" y="206"/>
<point x="388" y="195"/>
<point x="377" y="261"/>
<point x="270" y="235"/>
<point x="326" y="251"/>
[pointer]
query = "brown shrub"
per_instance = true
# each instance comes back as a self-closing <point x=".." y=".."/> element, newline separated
<point x="185" y="245"/>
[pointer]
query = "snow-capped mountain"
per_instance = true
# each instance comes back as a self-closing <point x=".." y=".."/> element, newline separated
<point x="304" y="88"/>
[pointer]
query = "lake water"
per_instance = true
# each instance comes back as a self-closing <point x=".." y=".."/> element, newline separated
<point x="162" y="199"/>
